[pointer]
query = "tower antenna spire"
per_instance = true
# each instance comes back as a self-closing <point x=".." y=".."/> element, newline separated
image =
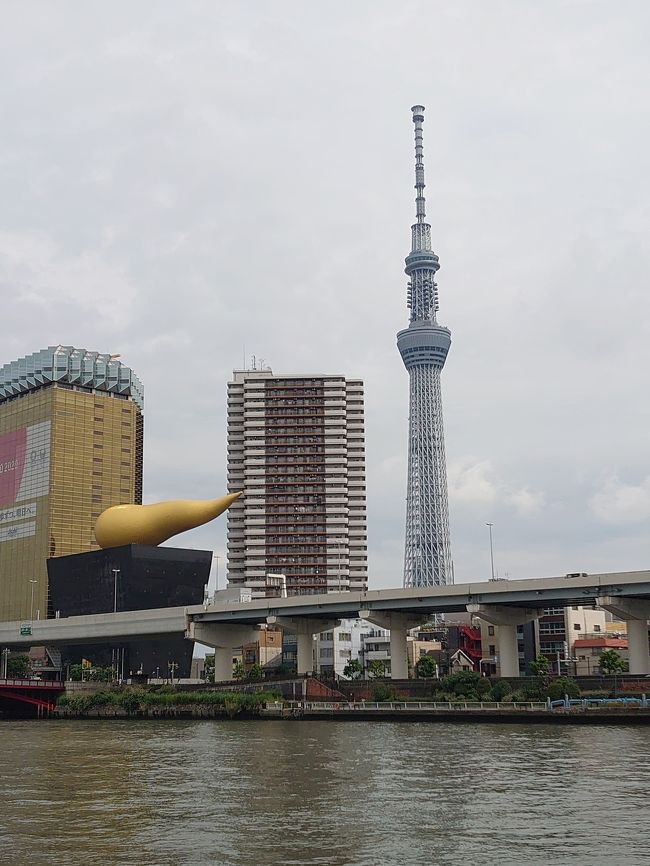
<point x="420" y="203"/>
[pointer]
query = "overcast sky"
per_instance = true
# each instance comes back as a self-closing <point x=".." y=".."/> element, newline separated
<point x="183" y="182"/>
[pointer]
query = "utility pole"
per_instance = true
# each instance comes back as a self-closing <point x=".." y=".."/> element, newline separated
<point x="490" y="525"/>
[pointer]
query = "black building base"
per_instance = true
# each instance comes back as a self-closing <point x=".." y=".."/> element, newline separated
<point x="134" y="577"/>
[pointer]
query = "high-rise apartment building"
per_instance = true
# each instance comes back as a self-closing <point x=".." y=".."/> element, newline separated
<point x="71" y="432"/>
<point x="296" y="449"/>
<point x="424" y="346"/>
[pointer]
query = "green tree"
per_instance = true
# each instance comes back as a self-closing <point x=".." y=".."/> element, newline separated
<point x="384" y="692"/>
<point x="500" y="689"/>
<point x="353" y="669"/>
<point x="18" y="667"/>
<point x="208" y="668"/>
<point x="562" y="686"/>
<point x="239" y="671"/>
<point x="130" y="701"/>
<point x="99" y="674"/>
<point x="426" y="667"/>
<point x="376" y="669"/>
<point x="74" y="672"/>
<point x="541" y="667"/>
<point x="256" y="672"/>
<point x="465" y="684"/>
<point x="611" y="662"/>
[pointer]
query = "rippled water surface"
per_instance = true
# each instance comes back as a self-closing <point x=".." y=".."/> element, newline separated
<point x="168" y="793"/>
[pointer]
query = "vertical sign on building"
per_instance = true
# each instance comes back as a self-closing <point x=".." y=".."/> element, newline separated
<point x="24" y="478"/>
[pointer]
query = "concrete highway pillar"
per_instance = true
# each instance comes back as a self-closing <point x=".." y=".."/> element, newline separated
<point x="508" y="651"/>
<point x="636" y="612"/>
<point x="399" y="665"/>
<point x="304" y="653"/>
<point x="507" y="619"/>
<point x="637" y="640"/>
<point x="224" y="638"/>
<point x="304" y="629"/>
<point x="223" y="667"/>
<point x="398" y="624"/>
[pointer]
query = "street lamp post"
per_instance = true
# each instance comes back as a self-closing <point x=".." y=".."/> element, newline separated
<point x="116" y="573"/>
<point x="216" y="582"/>
<point x="216" y="557"/>
<point x="33" y="581"/>
<point x="490" y="525"/>
<point x="115" y="654"/>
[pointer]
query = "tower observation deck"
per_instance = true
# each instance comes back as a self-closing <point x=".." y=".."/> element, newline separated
<point x="424" y="346"/>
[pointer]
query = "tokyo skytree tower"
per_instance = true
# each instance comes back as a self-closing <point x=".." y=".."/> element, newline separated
<point x="424" y="346"/>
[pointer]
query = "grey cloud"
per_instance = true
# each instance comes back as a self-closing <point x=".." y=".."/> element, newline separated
<point x="179" y="184"/>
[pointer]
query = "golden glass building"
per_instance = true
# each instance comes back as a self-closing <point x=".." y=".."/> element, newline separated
<point x="71" y="433"/>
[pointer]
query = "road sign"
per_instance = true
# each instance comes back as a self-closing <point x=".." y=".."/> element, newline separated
<point x="25" y="628"/>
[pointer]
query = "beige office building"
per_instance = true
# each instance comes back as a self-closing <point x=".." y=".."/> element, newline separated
<point x="71" y="431"/>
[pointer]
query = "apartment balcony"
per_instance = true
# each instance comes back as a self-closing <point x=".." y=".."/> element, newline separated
<point x="335" y="585"/>
<point x="376" y="656"/>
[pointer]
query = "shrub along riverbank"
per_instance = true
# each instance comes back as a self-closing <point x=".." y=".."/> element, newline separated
<point x="470" y="686"/>
<point x="161" y="702"/>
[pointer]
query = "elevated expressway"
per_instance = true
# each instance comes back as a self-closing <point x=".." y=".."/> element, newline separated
<point x="225" y="624"/>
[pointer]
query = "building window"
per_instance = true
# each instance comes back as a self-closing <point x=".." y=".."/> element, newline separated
<point x="597" y="628"/>
<point x="492" y="650"/>
<point x="491" y="630"/>
<point x="551" y="628"/>
<point x="576" y="626"/>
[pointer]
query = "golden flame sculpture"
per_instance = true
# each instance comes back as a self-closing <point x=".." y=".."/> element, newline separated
<point x="153" y="524"/>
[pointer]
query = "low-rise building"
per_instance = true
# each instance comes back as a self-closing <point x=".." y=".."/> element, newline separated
<point x="560" y="627"/>
<point x="336" y="648"/>
<point x="417" y="648"/>
<point x="587" y="652"/>
<point x="265" y="650"/>
<point x="459" y="662"/>
<point x="375" y="647"/>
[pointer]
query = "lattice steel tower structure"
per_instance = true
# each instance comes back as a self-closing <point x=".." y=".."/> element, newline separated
<point x="424" y="346"/>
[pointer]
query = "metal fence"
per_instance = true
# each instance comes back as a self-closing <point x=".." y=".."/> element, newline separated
<point x="416" y="706"/>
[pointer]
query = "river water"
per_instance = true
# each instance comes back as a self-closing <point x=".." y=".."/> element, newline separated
<point x="177" y="793"/>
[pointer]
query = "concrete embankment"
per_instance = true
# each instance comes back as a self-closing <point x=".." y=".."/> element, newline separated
<point x="394" y="712"/>
<point x="562" y="717"/>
